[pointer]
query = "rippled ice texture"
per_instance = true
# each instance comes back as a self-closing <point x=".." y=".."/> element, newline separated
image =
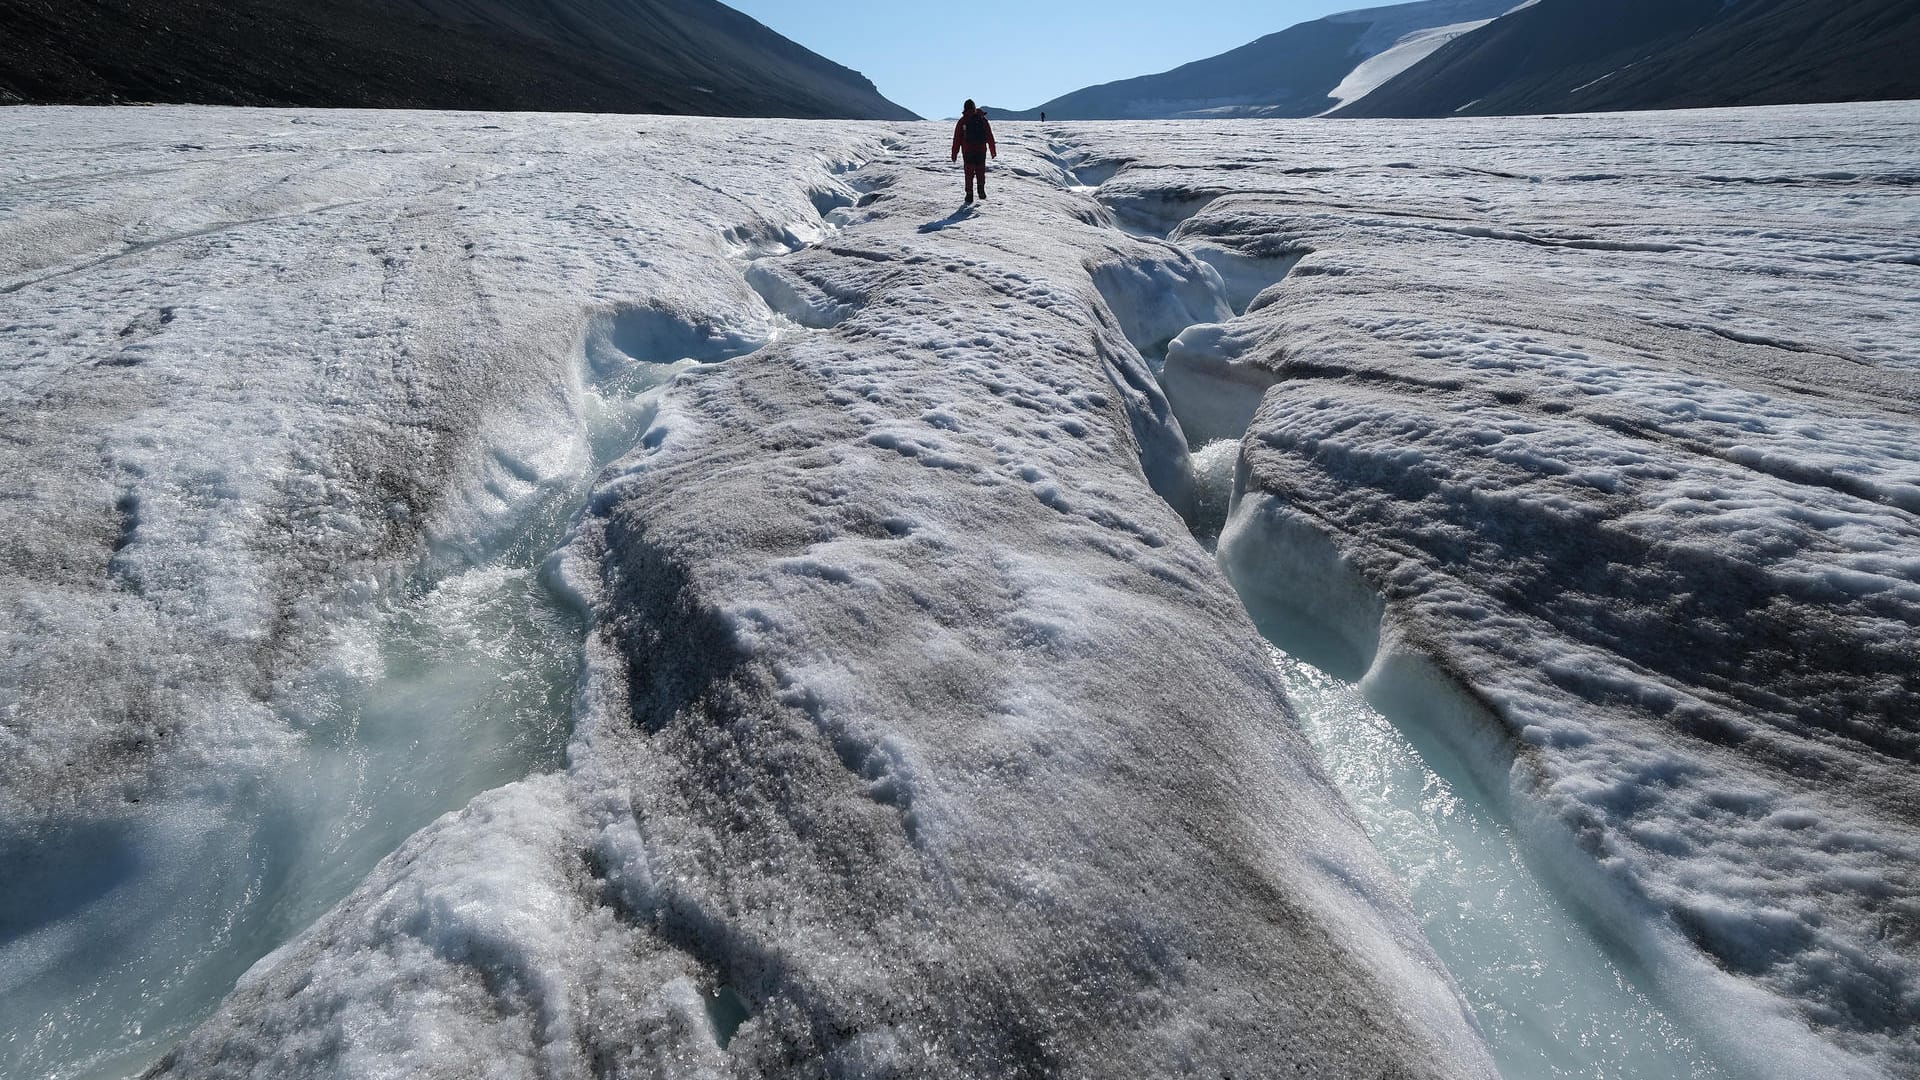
<point x="293" y="424"/>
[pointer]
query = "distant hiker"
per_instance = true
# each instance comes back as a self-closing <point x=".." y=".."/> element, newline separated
<point x="974" y="136"/>
<point x="1043" y="118"/>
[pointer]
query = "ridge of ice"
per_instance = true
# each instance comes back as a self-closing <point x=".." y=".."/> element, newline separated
<point x="1638" y="484"/>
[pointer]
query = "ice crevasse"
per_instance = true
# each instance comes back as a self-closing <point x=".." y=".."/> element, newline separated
<point x="1618" y="509"/>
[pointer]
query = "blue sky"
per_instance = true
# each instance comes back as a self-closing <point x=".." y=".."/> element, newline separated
<point x="1015" y="54"/>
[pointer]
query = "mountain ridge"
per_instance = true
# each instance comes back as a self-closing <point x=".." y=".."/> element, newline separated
<point x="1458" y="57"/>
<point x="1572" y="56"/>
<point x="624" y="56"/>
<point x="1316" y="57"/>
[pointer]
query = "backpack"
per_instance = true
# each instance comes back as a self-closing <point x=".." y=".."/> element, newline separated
<point x="976" y="128"/>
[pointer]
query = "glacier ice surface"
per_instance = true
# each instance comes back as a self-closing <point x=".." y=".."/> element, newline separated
<point x="910" y="732"/>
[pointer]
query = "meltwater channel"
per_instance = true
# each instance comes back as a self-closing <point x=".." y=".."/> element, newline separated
<point x="116" y="940"/>
<point x="466" y="683"/>
<point x="447" y="691"/>
<point x="1550" y="999"/>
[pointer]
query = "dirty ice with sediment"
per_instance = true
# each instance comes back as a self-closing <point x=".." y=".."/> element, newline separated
<point x="533" y="595"/>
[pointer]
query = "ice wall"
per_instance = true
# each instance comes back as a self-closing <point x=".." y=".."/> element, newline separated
<point x="1604" y="431"/>
<point x="295" y="415"/>
<point x="1552" y="995"/>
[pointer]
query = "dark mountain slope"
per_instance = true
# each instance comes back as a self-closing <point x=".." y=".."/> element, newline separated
<point x="1289" y="66"/>
<point x="1283" y="74"/>
<point x="1583" y="56"/>
<point x="668" y="56"/>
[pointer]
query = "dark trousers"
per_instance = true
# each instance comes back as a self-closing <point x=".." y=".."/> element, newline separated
<point x="976" y="170"/>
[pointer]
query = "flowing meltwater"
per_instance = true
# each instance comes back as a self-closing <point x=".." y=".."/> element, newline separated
<point x="1549" y="997"/>
<point x="126" y="937"/>
<point x="461" y="687"/>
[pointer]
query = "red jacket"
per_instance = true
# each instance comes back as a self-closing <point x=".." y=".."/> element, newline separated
<point x="960" y="137"/>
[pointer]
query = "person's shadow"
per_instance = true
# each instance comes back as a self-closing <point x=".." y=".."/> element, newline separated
<point x="949" y="221"/>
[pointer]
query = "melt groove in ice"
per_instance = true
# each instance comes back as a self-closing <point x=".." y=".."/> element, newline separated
<point x="1633" y="491"/>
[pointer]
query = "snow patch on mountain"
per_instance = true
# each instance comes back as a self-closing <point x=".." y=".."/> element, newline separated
<point x="1403" y="54"/>
<point x="1390" y="27"/>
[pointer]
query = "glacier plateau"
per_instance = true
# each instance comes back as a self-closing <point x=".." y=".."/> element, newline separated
<point x="860" y="691"/>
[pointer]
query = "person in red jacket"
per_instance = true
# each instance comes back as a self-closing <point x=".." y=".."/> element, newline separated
<point x="974" y="136"/>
